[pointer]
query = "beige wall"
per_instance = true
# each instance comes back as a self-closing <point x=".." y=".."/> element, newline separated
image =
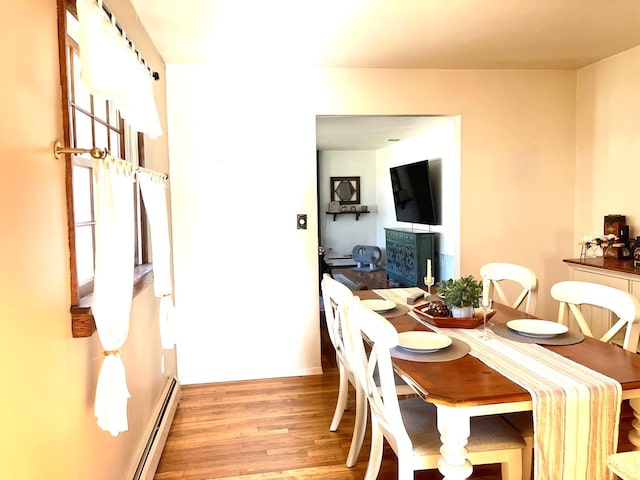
<point x="517" y="154"/>
<point x="608" y="144"/>
<point x="243" y="164"/>
<point x="518" y="151"/>
<point x="46" y="400"/>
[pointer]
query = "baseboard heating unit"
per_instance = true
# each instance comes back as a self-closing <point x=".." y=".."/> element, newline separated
<point x="159" y="430"/>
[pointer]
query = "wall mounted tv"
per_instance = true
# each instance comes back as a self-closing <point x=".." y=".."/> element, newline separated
<point x="416" y="192"/>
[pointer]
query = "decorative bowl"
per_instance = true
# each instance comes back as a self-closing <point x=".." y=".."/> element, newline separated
<point x="451" y="322"/>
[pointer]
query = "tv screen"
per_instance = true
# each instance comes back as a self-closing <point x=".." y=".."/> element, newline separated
<point x="413" y="193"/>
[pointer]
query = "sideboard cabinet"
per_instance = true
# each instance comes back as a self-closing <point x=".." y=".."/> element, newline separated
<point x="407" y="254"/>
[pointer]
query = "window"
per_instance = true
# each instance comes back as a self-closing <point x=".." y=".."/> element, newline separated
<point x="90" y="122"/>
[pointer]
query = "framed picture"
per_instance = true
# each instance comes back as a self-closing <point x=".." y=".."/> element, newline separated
<point x="345" y="190"/>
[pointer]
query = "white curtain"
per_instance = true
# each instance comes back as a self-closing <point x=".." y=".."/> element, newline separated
<point x="153" y="189"/>
<point x="113" y="285"/>
<point x="112" y="70"/>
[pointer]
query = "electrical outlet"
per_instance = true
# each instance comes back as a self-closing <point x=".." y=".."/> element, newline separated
<point x="302" y="221"/>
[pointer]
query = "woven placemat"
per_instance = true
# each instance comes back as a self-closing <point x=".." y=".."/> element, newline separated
<point x="457" y="349"/>
<point x="568" y="338"/>
<point x="395" y="312"/>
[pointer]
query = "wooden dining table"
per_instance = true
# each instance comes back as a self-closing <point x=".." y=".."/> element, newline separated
<point x="466" y="387"/>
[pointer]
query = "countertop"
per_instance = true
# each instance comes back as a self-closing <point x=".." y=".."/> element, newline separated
<point x="613" y="264"/>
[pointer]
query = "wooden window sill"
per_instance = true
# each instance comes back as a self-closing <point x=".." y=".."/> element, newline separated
<point x="82" y="322"/>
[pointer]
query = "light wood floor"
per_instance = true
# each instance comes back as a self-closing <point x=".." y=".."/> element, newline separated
<point x="268" y="429"/>
<point x="272" y="429"/>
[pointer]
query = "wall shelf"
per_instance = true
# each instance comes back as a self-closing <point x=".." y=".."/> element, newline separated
<point x="357" y="214"/>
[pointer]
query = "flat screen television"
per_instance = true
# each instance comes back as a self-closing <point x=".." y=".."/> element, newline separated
<point x="415" y="195"/>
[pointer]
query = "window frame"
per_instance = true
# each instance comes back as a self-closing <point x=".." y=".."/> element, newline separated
<point x="82" y="321"/>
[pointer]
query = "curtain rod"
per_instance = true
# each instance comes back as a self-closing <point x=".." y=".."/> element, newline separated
<point x="155" y="75"/>
<point x="97" y="153"/>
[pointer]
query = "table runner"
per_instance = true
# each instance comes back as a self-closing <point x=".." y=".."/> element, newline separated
<point x="575" y="409"/>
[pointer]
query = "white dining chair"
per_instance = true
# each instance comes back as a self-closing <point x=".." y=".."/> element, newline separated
<point x="410" y="425"/>
<point x="523" y="279"/>
<point x="626" y="307"/>
<point x="336" y="298"/>
<point x="625" y="465"/>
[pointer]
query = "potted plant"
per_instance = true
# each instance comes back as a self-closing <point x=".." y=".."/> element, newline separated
<point x="461" y="296"/>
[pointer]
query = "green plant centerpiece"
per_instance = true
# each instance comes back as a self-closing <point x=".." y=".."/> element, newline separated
<point x="461" y="296"/>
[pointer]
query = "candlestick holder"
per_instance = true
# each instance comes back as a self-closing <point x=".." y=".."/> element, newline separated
<point x="428" y="282"/>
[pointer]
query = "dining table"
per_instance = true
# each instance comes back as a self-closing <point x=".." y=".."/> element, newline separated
<point x="464" y="387"/>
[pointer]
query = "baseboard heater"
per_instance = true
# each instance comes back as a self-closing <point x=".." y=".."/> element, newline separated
<point x="159" y="431"/>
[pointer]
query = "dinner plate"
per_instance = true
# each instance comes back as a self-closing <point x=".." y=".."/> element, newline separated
<point x="378" y="305"/>
<point x="423" y="341"/>
<point x="537" y="328"/>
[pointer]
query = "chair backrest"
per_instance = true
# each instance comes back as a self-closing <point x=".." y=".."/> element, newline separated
<point x="523" y="276"/>
<point x="335" y="297"/>
<point x="572" y="294"/>
<point x="374" y="370"/>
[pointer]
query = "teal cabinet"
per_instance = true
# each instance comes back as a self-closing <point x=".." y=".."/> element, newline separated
<point x="407" y="254"/>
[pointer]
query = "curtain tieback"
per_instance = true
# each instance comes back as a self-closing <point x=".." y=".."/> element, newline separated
<point x="111" y="352"/>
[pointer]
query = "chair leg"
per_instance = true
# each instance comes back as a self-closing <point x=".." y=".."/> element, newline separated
<point x="405" y="470"/>
<point x="512" y="468"/>
<point x="527" y="458"/>
<point x="375" y="456"/>
<point x="343" y="395"/>
<point x="359" y="428"/>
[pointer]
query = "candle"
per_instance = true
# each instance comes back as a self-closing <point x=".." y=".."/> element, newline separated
<point x="485" y="291"/>
<point x="429" y="277"/>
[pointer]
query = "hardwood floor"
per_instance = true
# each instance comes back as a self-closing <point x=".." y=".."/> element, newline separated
<point x="274" y="429"/>
<point x="268" y="429"/>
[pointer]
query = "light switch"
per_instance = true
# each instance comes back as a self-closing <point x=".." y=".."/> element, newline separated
<point x="302" y="221"/>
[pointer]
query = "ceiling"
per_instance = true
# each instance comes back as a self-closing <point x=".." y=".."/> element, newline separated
<point x="427" y="34"/>
<point x="367" y="132"/>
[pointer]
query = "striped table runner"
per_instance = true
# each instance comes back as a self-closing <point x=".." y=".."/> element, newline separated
<point x="575" y="409"/>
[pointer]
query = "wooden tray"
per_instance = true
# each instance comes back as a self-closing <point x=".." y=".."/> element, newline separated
<point x="450" y="322"/>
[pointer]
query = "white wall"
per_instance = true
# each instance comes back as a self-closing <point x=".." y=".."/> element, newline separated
<point x="608" y="144"/>
<point x="340" y="236"/>
<point x="243" y="164"/>
<point x="440" y="142"/>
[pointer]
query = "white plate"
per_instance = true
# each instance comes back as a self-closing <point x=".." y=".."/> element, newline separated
<point x="378" y="305"/>
<point x="423" y="341"/>
<point x="537" y="328"/>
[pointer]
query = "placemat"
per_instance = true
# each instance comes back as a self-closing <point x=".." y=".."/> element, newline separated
<point x="457" y="349"/>
<point x="395" y="312"/>
<point x="568" y="338"/>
